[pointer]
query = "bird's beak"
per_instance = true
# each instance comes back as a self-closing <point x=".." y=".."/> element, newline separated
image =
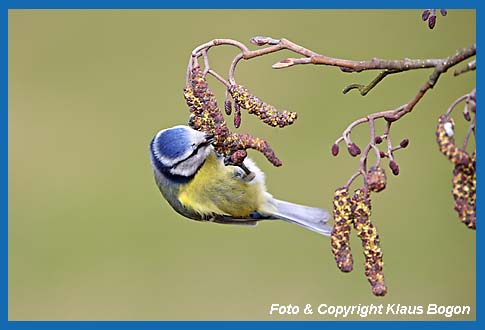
<point x="209" y="138"/>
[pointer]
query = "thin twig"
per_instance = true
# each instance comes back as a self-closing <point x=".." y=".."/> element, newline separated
<point x="456" y="102"/>
<point x="471" y="129"/>
<point x="363" y="89"/>
<point x="353" y="177"/>
<point x="387" y="67"/>
<point x="219" y="77"/>
<point x="387" y="131"/>
<point x="471" y="66"/>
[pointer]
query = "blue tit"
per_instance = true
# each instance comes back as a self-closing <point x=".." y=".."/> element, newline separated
<point x="194" y="180"/>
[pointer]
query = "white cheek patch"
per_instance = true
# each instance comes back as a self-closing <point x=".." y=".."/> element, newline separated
<point x="189" y="166"/>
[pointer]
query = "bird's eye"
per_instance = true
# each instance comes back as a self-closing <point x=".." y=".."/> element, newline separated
<point x="193" y="145"/>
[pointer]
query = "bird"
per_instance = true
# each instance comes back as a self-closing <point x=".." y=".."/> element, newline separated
<point x="193" y="178"/>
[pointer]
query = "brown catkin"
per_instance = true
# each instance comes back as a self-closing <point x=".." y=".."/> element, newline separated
<point x="340" y="238"/>
<point x="267" y="113"/>
<point x="367" y="232"/>
<point x="446" y="142"/>
<point x="464" y="191"/>
<point x="206" y="116"/>
<point x="376" y="179"/>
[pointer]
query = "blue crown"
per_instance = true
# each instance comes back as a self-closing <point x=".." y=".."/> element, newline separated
<point x="170" y="144"/>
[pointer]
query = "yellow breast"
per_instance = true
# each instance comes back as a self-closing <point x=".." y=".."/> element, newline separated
<point x="216" y="190"/>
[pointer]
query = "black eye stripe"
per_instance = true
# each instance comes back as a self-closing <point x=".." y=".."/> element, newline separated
<point x="196" y="150"/>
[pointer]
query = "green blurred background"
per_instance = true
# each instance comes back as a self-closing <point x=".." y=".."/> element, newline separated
<point x="90" y="237"/>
